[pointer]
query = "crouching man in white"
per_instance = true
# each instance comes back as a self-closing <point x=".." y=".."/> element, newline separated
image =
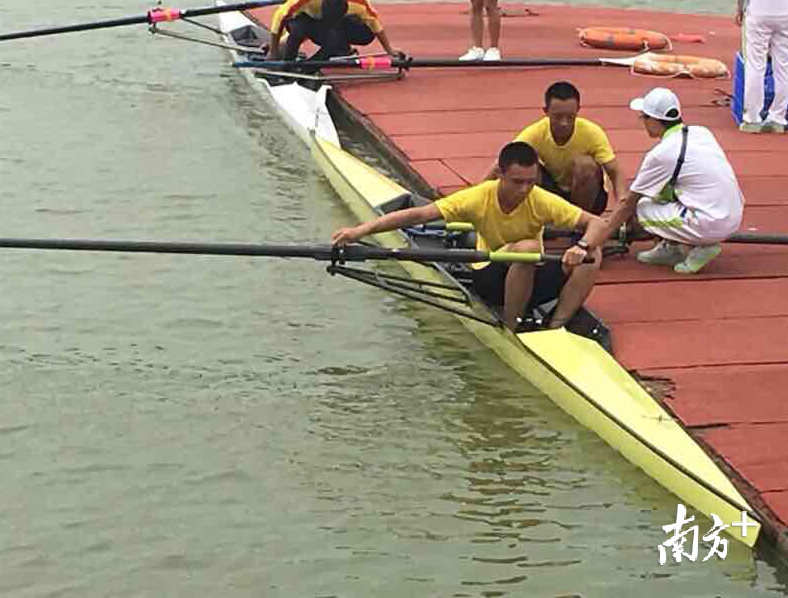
<point x="685" y="192"/>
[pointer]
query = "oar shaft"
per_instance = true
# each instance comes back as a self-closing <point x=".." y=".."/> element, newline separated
<point x="349" y="253"/>
<point x="746" y="237"/>
<point x="152" y="16"/>
<point x="236" y="249"/>
<point x="496" y="63"/>
<point x="757" y="238"/>
<point x="378" y="63"/>
<point x="78" y="27"/>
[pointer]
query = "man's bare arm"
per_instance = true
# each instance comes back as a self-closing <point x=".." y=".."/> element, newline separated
<point x="383" y="38"/>
<point x="392" y="221"/>
<point x="613" y="170"/>
<point x="596" y="236"/>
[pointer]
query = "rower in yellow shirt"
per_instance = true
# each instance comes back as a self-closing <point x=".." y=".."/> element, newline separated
<point x="509" y="214"/>
<point x="334" y="25"/>
<point x="574" y="153"/>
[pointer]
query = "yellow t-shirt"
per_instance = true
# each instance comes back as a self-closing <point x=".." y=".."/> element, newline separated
<point x="314" y="8"/>
<point x="588" y="139"/>
<point x="494" y="229"/>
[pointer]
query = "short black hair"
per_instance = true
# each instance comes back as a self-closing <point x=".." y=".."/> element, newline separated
<point x="516" y="152"/>
<point x="668" y="123"/>
<point x="561" y="90"/>
<point x="334" y="11"/>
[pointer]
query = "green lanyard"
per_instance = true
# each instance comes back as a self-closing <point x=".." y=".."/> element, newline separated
<point x="668" y="192"/>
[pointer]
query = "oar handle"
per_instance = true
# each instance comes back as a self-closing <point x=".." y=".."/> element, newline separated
<point x="530" y="258"/>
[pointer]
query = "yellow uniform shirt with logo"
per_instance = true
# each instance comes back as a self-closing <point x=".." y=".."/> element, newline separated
<point x="314" y="8"/>
<point x="494" y="229"/>
<point x="588" y="139"/>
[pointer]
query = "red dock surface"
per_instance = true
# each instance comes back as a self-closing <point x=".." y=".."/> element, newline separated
<point x="719" y="338"/>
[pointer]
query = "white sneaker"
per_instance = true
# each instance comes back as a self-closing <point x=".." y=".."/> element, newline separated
<point x="664" y="253"/>
<point x="697" y="258"/>
<point x="768" y="127"/>
<point x="746" y="127"/>
<point x="475" y="53"/>
<point x="492" y="54"/>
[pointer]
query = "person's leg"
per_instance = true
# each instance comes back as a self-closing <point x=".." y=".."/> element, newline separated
<point x="780" y="70"/>
<point x="299" y="29"/>
<point x="476" y="51"/>
<point x="576" y="290"/>
<point x="331" y="42"/>
<point x="493" y="22"/>
<point x="755" y="53"/>
<point x="356" y="32"/>
<point x="588" y="189"/>
<point x="685" y="244"/>
<point x="519" y="284"/>
<point x="546" y="181"/>
<point x="489" y="282"/>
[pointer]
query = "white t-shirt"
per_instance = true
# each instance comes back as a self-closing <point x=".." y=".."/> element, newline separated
<point x="767" y="8"/>
<point x="707" y="184"/>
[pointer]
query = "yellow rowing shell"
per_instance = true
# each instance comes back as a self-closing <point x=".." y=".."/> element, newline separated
<point x="575" y="372"/>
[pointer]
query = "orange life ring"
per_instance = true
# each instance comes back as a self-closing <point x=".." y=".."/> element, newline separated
<point x="669" y="65"/>
<point x="624" y="38"/>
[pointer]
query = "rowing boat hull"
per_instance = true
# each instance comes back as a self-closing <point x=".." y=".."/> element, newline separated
<point x="575" y="372"/>
<point x="302" y="109"/>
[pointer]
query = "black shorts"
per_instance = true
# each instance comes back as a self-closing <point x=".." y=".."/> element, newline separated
<point x="547" y="182"/>
<point x="489" y="282"/>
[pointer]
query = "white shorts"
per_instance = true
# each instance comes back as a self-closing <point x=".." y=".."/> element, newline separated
<point x="676" y="222"/>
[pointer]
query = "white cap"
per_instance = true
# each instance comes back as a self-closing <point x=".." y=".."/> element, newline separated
<point x="659" y="103"/>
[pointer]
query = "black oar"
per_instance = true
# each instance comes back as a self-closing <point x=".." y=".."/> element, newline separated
<point x="347" y="253"/>
<point x="155" y="15"/>
<point x="376" y="62"/>
<point x="758" y="238"/>
<point x="553" y="233"/>
<point x="745" y="237"/>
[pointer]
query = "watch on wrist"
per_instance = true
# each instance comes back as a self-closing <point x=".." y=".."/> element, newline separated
<point x="582" y="245"/>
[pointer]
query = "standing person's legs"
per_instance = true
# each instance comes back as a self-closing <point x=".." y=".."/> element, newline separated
<point x="757" y="35"/>
<point x="493" y="22"/>
<point x="476" y="51"/>
<point x="780" y="70"/>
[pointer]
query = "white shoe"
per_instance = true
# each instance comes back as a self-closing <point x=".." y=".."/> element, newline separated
<point x="746" y="127"/>
<point x="697" y="258"/>
<point x="492" y="54"/>
<point x="664" y="253"/>
<point x="768" y="127"/>
<point x="475" y="53"/>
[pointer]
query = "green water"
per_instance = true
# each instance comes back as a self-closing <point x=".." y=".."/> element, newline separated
<point x="183" y="426"/>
